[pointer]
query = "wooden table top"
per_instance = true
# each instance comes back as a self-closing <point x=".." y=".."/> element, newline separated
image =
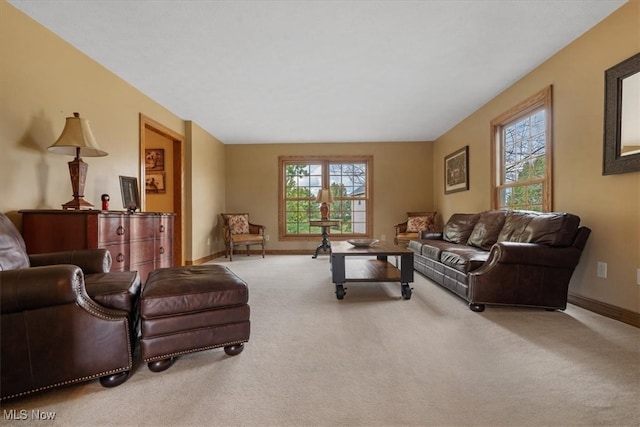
<point x="379" y="248"/>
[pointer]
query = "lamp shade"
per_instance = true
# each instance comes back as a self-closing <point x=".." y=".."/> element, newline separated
<point x="77" y="139"/>
<point x="324" y="196"/>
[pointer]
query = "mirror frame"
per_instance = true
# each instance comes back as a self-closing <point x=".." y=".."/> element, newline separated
<point x="613" y="162"/>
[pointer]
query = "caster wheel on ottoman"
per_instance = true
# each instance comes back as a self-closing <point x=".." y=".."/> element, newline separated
<point x="189" y="309"/>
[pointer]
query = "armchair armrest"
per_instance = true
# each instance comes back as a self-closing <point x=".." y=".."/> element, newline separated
<point x="256" y="229"/>
<point x="89" y="260"/>
<point x="37" y="287"/>
<point x="401" y="228"/>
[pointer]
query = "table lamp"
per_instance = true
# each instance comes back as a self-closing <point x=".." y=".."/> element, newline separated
<point x="324" y="197"/>
<point x="77" y="139"/>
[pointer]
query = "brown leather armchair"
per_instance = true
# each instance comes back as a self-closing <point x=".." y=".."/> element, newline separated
<point x="238" y="231"/>
<point x="64" y="318"/>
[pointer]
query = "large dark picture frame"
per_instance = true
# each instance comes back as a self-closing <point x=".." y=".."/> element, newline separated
<point x="614" y="161"/>
<point x="456" y="171"/>
<point x="130" y="193"/>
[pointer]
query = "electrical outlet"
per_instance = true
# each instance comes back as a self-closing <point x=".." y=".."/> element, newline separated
<point x="638" y="276"/>
<point x="602" y="269"/>
<point x="266" y="237"/>
<point x="383" y="237"/>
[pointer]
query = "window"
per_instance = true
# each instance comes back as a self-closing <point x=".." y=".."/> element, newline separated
<point x="521" y="155"/>
<point x="302" y="178"/>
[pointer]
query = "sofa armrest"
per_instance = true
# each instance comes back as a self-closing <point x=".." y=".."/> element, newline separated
<point x="533" y="254"/>
<point x="89" y="260"/>
<point x="430" y="235"/>
<point x="37" y="287"/>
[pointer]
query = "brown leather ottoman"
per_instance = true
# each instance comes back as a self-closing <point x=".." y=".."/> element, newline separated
<point x="194" y="308"/>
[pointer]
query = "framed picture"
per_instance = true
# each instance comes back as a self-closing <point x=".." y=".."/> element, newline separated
<point x="155" y="182"/>
<point x="456" y="171"/>
<point x="154" y="159"/>
<point x="130" y="194"/>
<point x="622" y="117"/>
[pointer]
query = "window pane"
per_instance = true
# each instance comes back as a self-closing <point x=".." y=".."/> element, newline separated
<point x="521" y="149"/>
<point x="304" y="180"/>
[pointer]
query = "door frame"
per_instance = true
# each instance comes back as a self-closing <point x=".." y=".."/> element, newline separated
<point x="148" y="124"/>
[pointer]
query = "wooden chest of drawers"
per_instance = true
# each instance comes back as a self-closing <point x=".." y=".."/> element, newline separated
<point x="139" y="241"/>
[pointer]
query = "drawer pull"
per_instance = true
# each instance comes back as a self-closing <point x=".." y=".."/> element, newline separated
<point x="120" y="257"/>
<point x="162" y="228"/>
<point x="120" y="231"/>
<point x="161" y="250"/>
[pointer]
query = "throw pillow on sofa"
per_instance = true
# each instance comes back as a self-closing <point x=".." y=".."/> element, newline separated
<point x="486" y="231"/>
<point x="459" y="228"/>
<point x="549" y="228"/>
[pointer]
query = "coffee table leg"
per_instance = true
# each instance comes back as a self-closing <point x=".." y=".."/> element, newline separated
<point x="338" y="274"/>
<point x="406" y="291"/>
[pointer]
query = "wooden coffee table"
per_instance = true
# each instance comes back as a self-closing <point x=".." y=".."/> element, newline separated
<point x="351" y="264"/>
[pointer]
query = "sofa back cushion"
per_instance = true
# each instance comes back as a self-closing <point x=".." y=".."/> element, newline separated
<point x="552" y="228"/>
<point x="487" y="229"/>
<point x="13" y="253"/>
<point x="459" y="227"/>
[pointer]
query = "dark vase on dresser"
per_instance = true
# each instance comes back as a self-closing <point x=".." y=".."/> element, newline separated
<point x="137" y="241"/>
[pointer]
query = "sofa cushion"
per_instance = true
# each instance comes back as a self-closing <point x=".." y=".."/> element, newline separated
<point x="464" y="259"/>
<point x="116" y="289"/>
<point x="552" y="228"/>
<point x="180" y="290"/>
<point x="459" y="227"/>
<point x="487" y="229"/>
<point x="433" y="248"/>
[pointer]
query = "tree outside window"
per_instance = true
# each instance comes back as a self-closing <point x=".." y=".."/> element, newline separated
<point x="302" y="179"/>
<point x="521" y="149"/>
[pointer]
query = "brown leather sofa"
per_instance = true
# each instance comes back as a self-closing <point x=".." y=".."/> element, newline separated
<point x="64" y="318"/>
<point x="502" y="257"/>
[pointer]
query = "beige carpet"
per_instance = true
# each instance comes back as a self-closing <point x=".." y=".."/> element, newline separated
<point x="374" y="359"/>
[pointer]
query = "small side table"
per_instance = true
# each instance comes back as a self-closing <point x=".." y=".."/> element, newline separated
<point x="325" y="224"/>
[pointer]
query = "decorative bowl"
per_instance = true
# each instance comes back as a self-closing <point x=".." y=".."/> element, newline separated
<point x="363" y="243"/>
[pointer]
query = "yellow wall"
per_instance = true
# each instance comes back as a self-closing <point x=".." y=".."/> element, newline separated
<point x="609" y="205"/>
<point x="206" y="172"/>
<point x="401" y="182"/>
<point x="43" y="80"/>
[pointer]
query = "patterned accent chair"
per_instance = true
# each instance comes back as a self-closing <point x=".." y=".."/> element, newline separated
<point x="416" y="222"/>
<point x="238" y="231"/>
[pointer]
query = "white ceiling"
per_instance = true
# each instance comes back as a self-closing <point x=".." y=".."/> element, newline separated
<point x="320" y="71"/>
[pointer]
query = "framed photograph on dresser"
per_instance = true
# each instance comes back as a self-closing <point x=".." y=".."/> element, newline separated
<point x="130" y="193"/>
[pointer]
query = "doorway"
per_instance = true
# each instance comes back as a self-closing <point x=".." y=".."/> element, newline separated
<point x="163" y="192"/>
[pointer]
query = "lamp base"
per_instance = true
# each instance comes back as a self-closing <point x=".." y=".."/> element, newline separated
<point x="77" y="203"/>
<point x="324" y="211"/>
<point x="78" y="174"/>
